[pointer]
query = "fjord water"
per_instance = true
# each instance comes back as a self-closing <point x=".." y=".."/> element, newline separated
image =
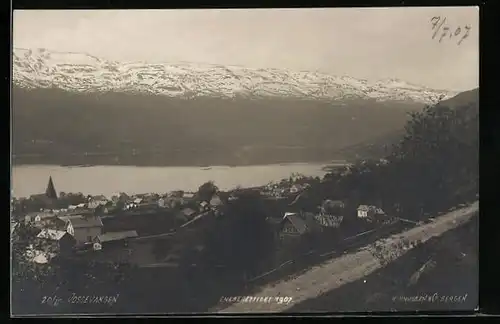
<point x="110" y="180"/>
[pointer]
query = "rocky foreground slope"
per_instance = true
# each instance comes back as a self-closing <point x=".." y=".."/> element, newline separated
<point x="350" y="267"/>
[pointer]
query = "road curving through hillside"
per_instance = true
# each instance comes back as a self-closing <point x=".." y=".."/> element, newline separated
<point x="345" y="269"/>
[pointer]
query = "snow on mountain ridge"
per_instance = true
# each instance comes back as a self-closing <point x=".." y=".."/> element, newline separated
<point x="86" y="73"/>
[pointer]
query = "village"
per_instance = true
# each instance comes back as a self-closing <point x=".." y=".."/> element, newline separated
<point x="151" y="229"/>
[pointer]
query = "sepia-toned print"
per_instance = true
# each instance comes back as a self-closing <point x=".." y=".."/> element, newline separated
<point x="225" y="161"/>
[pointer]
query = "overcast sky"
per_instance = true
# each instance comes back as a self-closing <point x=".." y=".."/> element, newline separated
<point x="371" y="43"/>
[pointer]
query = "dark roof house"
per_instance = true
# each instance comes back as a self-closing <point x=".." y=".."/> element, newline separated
<point x="116" y="236"/>
<point x="296" y="221"/>
<point x="67" y="218"/>
<point x="365" y="207"/>
<point x="332" y="207"/>
<point x="188" y="212"/>
<point x="51" y="234"/>
<point x="42" y="196"/>
<point x="85" y="222"/>
<point x="58" y="241"/>
<point x="326" y="220"/>
<point x="311" y="222"/>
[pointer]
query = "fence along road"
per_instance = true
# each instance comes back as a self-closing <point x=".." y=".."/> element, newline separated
<point x="348" y="268"/>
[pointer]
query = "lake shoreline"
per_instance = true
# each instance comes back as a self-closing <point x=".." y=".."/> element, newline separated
<point x="109" y="180"/>
<point x="327" y="163"/>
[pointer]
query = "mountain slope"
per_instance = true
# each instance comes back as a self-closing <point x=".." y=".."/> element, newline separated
<point x="82" y="72"/>
<point x="381" y="145"/>
<point x="463" y="99"/>
<point x="74" y="108"/>
<point x="62" y="127"/>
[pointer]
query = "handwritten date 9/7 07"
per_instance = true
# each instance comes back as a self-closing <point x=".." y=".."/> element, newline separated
<point x="442" y="30"/>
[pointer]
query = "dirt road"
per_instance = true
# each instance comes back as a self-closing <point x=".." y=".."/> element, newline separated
<point x="342" y="270"/>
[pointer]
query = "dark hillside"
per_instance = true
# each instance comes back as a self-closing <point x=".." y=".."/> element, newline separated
<point x="463" y="98"/>
<point x="434" y="166"/>
<point x="380" y="146"/>
<point x="53" y="126"/>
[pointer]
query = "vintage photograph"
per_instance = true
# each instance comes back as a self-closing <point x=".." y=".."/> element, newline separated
<point x="225" y="161"/>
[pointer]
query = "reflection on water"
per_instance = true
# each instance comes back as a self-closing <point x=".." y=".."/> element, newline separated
<point x="109" y="180"/>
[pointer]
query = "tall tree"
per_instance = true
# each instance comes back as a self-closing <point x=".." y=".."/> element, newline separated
<point x="207" y="190"/>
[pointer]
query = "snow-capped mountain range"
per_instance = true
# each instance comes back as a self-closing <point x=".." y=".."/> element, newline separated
<point x="41" y="68"/>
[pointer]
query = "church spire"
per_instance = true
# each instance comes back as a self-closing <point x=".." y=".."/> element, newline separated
<point x="51" y="191"/>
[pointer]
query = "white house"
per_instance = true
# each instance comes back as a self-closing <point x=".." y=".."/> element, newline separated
<point x="38" y="217"/>
<point x="84" y="229"/>
<point x="161" y="203"/>
<point x="215" y="201"/>
<point x="295" y="188"/>
<point x="365" y="211"/>
<point x="188" y="195"/>
<point x="383" y="161"/>
<point x="96" y="203"/>
<point x="204" y="206"/>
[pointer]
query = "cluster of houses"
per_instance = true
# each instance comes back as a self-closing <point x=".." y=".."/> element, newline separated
<point x="330" y="216"/>
<point x="84" y="227"/>
<point x="275" y="190"/>
<point x="88" y="226"/>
